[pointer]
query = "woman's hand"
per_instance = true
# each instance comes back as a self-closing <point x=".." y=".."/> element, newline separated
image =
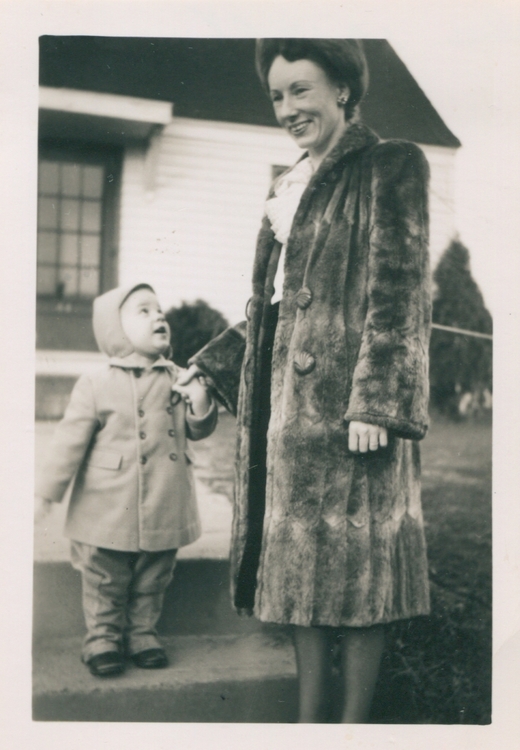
<point x="193" y="386"/>
<point x="196" y="395"/>
<point x="363" y="437"/>
<point x="186" y="376"/>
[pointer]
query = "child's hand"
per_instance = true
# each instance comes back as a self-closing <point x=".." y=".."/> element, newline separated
<point x="42" y="508"/>
<point x="195" y="393"/>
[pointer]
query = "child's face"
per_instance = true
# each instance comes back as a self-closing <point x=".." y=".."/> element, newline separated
<point x="144" y="323"/>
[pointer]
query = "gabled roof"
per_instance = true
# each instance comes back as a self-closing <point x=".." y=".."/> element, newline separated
<point x="214" y="79"/>
<point x="395" y="105"/>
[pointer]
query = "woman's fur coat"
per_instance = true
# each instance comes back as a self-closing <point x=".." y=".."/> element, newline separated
<point x="322" y="536"/>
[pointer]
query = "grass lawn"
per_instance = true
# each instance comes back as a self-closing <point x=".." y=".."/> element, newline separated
<point x="436" y="669"/>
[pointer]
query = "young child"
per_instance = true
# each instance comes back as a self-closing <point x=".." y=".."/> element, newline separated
<point x="123" y="440"/>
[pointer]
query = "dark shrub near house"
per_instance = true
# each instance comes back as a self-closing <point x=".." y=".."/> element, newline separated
<point x="192" y="326"/>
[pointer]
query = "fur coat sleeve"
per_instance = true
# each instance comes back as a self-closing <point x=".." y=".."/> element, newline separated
<point x="390" y="380"/>
<point x="221" y="361"/>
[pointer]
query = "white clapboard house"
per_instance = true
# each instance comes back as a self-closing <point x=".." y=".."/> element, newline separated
<point x="155" y="156"/>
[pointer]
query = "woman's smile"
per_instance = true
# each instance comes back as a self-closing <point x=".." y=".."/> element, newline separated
<point x="298" y="128"/>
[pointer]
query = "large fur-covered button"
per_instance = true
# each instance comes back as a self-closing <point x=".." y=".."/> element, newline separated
<point x="304" y="363"/>
<point x="303" y="298"/>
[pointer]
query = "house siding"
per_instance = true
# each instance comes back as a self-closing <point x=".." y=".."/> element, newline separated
<point x="442" y="199"/>
<point x="191" y="231"/>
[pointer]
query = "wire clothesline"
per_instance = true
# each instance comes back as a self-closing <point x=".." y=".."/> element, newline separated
<point x="462" y="331"/>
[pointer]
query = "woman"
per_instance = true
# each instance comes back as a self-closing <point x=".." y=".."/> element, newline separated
<point x="330" y="385"/>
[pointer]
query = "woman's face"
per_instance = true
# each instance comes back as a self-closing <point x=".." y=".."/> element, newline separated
<point x="305" y="103"/>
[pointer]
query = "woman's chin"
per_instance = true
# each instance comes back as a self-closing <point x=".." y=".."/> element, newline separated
<point x="309" y="143"/>
<point x="303" y="141"/>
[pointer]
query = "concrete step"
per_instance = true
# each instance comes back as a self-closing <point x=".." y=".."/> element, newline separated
<point x="233" y="678"/>
<point x="223" y="668"/>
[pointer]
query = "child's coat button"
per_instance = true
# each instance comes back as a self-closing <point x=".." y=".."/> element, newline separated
<point x="173" y="456"/>
<point x="169" y="410"/>
<point x="141" y="413"/>
<point x="171" y="433"/>
<point x="143" y="459"/>
<point x="142" y="435"/>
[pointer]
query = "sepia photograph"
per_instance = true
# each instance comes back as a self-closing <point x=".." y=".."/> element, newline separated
<point x="264" y="374"/>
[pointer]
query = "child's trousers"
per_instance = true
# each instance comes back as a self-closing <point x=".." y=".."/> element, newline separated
<point x="123" y="594"/>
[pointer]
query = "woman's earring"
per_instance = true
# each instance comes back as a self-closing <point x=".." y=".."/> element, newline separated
<point x="342" y="100"/>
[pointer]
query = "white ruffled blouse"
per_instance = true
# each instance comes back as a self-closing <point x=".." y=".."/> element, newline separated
<point x="281" y="209"/>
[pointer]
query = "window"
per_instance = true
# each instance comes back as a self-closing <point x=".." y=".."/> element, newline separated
<point x="71" y="200"/>
<point x="78" y="201"/>
<point x="70" y="196"/>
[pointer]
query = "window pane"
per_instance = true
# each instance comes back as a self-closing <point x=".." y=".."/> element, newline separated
<point x="70" y="179"/>
<point x="92" y="182"/>
<point x="47" y="213"/>
<point x="90" y="246"/>
<point x="89" y="283"/>
<point x="46" y="280"/>
<point x="48" y="177"/>
<point x="47" y="245"/>
<point x="68" y="279"/>
<point x="91" y="216"/>
<point x="70" y="215"/>
<point x="69" y="255"/>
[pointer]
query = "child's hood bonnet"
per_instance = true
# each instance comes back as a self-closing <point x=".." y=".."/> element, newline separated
<point x="106" y="321"/>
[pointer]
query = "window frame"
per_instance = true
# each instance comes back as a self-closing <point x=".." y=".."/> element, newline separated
<point x="65" y="323"/>
<point x="111" y="160"/>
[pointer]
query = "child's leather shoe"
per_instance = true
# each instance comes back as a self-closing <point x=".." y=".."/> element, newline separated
<point x="151" y="658"/>
<point x="106" y="664"/>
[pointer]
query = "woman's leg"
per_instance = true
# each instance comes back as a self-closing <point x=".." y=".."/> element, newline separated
<point x="361" y="651"/>
<point x="313" y="658"/>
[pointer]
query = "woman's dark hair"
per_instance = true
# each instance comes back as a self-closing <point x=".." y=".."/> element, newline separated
<point x="343" y="60"/>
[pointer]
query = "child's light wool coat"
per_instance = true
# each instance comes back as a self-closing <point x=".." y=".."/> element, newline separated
<point x="123" y="443"/>
<point x="340" y="540"/>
